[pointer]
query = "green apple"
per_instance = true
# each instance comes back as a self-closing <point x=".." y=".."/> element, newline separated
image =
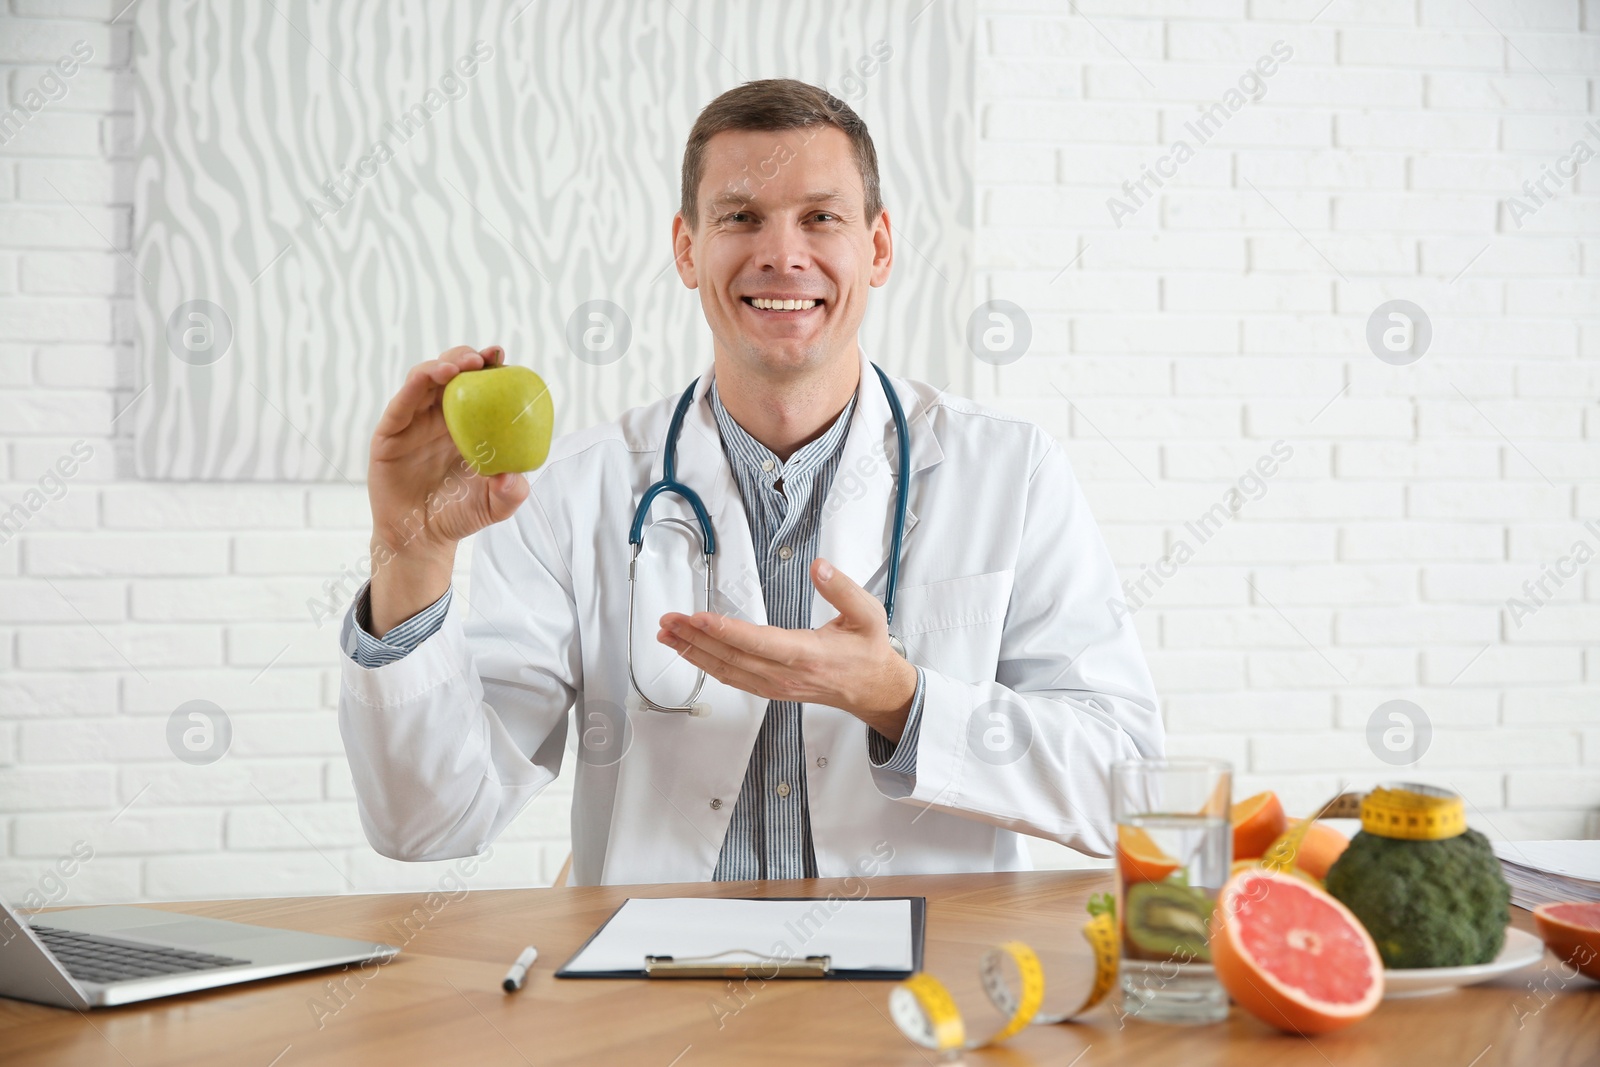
<point x="500" y="418"/>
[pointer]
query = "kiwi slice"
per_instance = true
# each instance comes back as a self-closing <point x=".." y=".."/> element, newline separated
<point x="1168" y="922"/>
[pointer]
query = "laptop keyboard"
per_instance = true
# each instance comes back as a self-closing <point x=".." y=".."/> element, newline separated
<point x="101" y="959"/>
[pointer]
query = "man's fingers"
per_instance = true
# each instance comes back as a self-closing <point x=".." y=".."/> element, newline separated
<point x="710" y="646"/>
<point x="855" y="604"/>
<point x="411" y="399"/>
<point x="425" y="380"/>
<point x="504" y="494"/>
<point x="727" y="673"/>
<point x="421" y="389"/>
<point x="730" y="638"/>
<point x="463" y="356"/>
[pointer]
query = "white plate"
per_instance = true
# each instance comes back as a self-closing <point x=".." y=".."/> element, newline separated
<point x="1520" y="950"/>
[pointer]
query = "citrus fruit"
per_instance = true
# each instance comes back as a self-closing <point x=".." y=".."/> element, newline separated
<point x="1293" y="956"/>
<point x="1138" y="857"/>
<point x="1216" y="806"/>
<point x="1240" y="866"/>
<point x="1572" y="932"/>
<point x="1257" y="822"/>
<point x="1321" y="845"/>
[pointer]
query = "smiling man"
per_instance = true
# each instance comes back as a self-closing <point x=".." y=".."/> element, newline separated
<point x="816" y="747"/>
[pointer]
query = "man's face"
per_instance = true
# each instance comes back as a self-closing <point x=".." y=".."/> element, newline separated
<point x="781" y="219"/>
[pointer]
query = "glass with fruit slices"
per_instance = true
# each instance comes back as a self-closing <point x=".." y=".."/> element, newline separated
<point x="1174" y="848"/>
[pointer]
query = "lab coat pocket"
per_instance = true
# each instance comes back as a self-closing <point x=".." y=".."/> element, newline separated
<point x="954" y="626"/>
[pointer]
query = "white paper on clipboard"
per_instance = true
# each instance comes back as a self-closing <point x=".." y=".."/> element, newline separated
<point x="857" y="934"/>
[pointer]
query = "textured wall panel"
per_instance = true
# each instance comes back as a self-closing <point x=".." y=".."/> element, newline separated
<point x="346" y="201"/>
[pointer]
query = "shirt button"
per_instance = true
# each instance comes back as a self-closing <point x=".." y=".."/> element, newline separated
<point x="766" y="464"/>
<point x="716" y="802"/>
<point x="783" y="789"/>
<point x="822" y="761"/>
<point x="785" y="552"/>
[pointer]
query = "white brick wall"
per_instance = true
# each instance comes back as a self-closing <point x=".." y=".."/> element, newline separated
<point x="1228" y="313"/>
<point x="122" y="600"/>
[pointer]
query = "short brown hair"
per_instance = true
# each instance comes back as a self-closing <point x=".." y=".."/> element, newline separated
<point x="777" y="104"/>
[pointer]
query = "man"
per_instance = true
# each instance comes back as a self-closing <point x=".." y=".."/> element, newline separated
<point x="823" y="752"/>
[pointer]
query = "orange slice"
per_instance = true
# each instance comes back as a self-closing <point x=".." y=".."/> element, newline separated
<point x="1293" y="956"/>
<point x="1216" y="805"/>
<point x="1139" y="859"/>
<point x="1257" y="823"/>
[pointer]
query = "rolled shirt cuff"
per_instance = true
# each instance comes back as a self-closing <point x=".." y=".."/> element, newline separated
<point x="899" y="758"/>
<point x="369" y="651"/>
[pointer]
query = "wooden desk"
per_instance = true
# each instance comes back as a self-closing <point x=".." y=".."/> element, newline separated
<point x="440" y="1002"/>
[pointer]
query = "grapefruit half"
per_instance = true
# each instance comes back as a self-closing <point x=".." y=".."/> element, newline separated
<point x="1293" y="956"/>
<point x="1572" y="932"/>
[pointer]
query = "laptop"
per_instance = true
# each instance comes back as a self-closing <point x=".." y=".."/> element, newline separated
<point x="98" y="957"/>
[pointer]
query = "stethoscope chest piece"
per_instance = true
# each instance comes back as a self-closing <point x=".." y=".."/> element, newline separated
<point x="898" y="645"/>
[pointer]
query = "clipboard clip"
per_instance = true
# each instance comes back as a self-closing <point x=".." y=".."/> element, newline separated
<point x="764" y="967"/>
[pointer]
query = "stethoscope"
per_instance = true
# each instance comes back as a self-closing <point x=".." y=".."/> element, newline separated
<point x="669" y="484"/>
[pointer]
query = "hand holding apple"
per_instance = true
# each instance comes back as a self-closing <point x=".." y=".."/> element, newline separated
<point x="425" y="497"/>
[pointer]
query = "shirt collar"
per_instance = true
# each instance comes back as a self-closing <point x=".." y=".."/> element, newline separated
<point x="753" y="456"/>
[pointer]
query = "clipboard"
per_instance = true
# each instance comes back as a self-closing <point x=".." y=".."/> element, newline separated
<point x="744" y="963"/>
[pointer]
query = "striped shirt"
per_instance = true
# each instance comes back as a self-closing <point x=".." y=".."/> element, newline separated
<point x="769" y="834"/>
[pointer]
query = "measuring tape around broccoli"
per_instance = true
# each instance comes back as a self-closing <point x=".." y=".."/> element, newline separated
<point x="1013" y="980"/>
<point x="1413" y="812"/>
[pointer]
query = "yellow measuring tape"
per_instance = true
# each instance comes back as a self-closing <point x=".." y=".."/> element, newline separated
<point x="1413" y="812"/>
<point x="1013" y="980"/>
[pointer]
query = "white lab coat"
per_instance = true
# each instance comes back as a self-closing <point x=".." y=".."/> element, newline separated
<point x="1005" y="584"/>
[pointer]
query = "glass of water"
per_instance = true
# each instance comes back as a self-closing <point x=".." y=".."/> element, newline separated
<point x="1174" y="850"/>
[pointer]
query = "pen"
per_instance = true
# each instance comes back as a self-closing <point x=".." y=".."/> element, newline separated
<point x="519" y="970"/>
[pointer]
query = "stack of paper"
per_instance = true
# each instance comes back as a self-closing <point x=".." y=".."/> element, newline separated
<point x="1543" y="871"/>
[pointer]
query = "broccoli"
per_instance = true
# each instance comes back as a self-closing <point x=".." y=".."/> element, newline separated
<point x="1425" y="903"/>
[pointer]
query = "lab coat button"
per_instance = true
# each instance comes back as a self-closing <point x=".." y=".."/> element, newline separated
<point x="822" y="761"/>
<point x="783" y="789"/>
<point x="785" y="552"/>
<point x="716" y="802"/>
